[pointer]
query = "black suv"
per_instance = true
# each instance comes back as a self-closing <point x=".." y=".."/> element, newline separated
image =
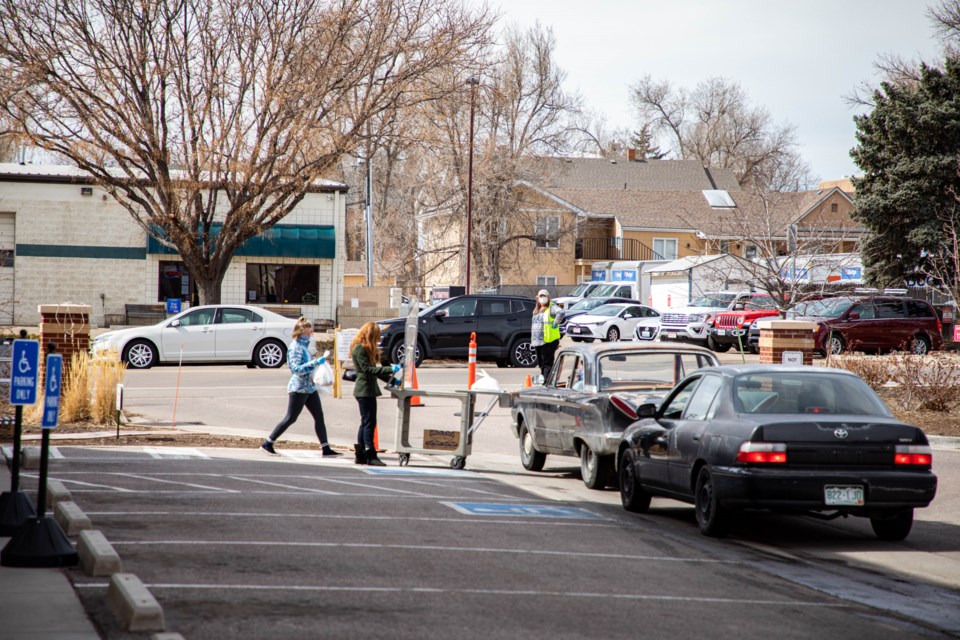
<point x="502" y="325"/>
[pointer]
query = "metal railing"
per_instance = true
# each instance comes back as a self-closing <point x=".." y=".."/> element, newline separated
<point x="610" y="248"/>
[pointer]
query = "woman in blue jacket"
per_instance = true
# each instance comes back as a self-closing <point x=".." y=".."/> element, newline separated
<point x="301" y="390"/>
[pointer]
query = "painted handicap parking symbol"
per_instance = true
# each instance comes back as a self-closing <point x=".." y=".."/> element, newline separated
<point x="521" y="510"/>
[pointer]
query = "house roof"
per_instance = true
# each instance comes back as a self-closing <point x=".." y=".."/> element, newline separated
<point x="643" y="209"/>
<point x="650" y="175"/>
<point x="58" y="173"/>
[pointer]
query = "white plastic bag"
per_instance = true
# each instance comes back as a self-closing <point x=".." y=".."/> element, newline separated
<point x="323" y="378"/>
<point x="486" y="382"/>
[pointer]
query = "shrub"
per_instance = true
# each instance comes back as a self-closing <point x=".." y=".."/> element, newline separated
<point x="106" y="372"/>
<point x="75" y="401"/>
<point x="927" y="383"/>
<point x="872" y="370"/>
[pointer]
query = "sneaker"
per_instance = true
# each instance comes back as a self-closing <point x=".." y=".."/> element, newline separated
<point x="330" y="453"/>
<point x="268" y="447"/>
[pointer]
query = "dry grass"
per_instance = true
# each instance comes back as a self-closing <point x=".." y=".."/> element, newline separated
<point x="875" y="371"/>
<point x="106" y="372"/>
<point x="89" y="392"/>
<point x="75" y="401"/>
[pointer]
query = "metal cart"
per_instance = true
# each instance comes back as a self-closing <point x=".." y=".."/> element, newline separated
<point x="457" y="443"/>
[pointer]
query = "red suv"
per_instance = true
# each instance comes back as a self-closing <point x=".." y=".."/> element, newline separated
<point x="730" y="327"/>
<point x="875" y="323"/>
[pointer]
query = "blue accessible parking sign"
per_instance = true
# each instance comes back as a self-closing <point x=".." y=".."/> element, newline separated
<point x="24" y="364"/>
<point x="51" y="400"/>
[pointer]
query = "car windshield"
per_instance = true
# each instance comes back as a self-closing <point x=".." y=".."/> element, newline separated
<point x="827" y="308"/>
<point x="607" y="310"/>
<point x="798" y="392"/>
<point x="641" y="370"/>
<point x="714" y="300"/>
<point x="761" y="302"/>
<point x="587" y="303"/>
<point x="580" y="290"/>
<point x="433" y="307"/>
<point x="604" y="290"/>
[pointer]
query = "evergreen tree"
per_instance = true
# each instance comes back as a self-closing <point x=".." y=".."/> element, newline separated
<point x="909" y="151"/>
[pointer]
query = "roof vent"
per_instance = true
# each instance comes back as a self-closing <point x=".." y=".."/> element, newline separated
<point x="719" y="199"/>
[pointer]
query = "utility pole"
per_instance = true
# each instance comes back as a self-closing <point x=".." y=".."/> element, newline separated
<point x="473" y="82"/>
<point x="368" y="218"/>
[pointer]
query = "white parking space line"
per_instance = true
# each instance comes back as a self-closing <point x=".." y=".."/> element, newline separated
<point x="185" y="484"/>
<point x="90" y="484"/>
<point x="380" y="487"/>
<point x="327" y="516"/>
<point x="484" y="492"/>
<point x="285" y="486"/>
<point x="486" y="592"/>
<point x="178" y="453"/>
<point x="422" y="547"/>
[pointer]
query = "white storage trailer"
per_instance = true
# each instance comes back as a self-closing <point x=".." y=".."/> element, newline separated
<point x="676" y="283"/>
<point x="628" y="279"/>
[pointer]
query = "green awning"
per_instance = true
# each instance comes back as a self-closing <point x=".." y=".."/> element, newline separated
<point x="280" y="241"/>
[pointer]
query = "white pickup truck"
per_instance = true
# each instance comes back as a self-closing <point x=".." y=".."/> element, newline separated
<point x="690" y="323"/>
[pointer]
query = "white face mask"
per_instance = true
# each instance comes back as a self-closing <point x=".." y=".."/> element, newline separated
<point x="544" y="299"/>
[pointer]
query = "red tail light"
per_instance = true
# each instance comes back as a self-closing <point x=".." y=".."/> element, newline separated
<point x="913" y="454"/>
<point x="939" y="327"/>
<point x="625" y="407"/>
<point x="762" y="453"/>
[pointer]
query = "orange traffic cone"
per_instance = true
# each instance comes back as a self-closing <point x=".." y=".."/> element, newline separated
<point x="415" y="400"/>
<point x="528" y="382"/>
<point x="376" y="437"/>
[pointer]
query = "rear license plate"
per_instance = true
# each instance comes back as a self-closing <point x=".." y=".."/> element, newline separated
<point x="671" y="335"/>
<point x="843" y="496"/>
<point x="721" y="332"/>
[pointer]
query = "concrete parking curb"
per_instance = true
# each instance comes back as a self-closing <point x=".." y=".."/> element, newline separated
<point x="944" y="442"/>
<point x="97" y="555"/>
<point x="57" y="493"/>
<point x="133" y="604"/>
<point x="166" y="636"/>
<point x="30" y="458"/>
<point x="71" y="518"/>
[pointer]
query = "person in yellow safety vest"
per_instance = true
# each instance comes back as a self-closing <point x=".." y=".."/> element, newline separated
<point x="545" y="331"/>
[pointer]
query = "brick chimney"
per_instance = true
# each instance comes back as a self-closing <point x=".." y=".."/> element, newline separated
<point x="632" y="155"/>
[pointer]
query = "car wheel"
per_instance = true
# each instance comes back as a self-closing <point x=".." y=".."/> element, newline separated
<point x="613" y="334"/>
<point x="632" y="495"/>
<point x="576" y="339"/>
<point x="140" y="354"/>
<point x="595" y="470"/>
<point x="893" y="527"/>
<point x="399" y="351"/>
<point x="270" y="354"/>
<point x="919" y="345"/>
<point x="502" y="363"/>
<point x="835" y="345"/>
<point x="522" y="354"/>
<point x="719" y="347"/>
<point x="530" y="458"/>
<point x="711" y="517"/>
<point x="753" y="349"/>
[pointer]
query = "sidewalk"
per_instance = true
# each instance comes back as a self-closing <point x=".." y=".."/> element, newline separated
<point x="39" y="604"/>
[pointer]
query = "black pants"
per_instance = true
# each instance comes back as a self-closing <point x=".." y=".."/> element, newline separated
<point x="545" y="354"/>
<point x="368" y="421"/>
<point x="294" y="407"/>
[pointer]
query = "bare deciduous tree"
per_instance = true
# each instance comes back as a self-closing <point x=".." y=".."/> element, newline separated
<point x="208" y="120"/>
<point x="717" y="124"/>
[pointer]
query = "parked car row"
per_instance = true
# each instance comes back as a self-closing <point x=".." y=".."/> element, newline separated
<point x="666" y="420"/>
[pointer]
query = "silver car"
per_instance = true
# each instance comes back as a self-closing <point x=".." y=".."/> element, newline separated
<point x="591" y="396"/>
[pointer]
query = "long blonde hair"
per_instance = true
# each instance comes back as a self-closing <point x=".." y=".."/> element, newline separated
<point x="302" y="325"/>
<point x="368" y="336"/>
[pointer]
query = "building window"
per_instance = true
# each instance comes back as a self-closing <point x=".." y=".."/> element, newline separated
<point x="174" y="281"/>
<point x="724" y="246"/>
<point x="665" y="248"/>
<point x="546" y="281"/>
<point x="547" y="232"/>
<point x="282" y="283"/>
<point x="6" y="258"/>
<point x="833" y="207"/>
<point x="750" y="253"/>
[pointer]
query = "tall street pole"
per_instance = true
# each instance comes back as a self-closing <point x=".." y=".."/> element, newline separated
<point x="473" y="82"/>
<point x="368" y="217"/>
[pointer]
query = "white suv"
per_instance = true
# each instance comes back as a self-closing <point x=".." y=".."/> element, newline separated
<point x="690" y="323"/>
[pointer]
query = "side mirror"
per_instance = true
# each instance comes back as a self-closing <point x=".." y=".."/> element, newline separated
<point x="175" y="323"/>
<point x="853" y="316"/>
<point x="739" y="306"/>
<point x="647" y="410"/>
<point x="440" y="315"/>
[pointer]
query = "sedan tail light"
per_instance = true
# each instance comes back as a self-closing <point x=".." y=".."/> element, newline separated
<point x="762" y="453"/>
<point x="625" y="407"/>
<point x="913" y="454"/>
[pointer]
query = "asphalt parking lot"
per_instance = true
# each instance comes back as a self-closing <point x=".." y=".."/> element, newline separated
<point x="237" y="545"/>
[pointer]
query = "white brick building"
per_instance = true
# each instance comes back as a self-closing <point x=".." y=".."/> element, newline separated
<point x="62" y="239"/>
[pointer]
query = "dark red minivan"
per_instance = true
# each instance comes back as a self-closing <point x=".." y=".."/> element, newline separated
<point x="874" y="323"/>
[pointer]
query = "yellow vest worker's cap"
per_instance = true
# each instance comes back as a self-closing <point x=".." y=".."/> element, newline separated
<point x="543" y="292"/>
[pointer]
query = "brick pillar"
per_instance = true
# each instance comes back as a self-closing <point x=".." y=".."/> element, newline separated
<point x="777" y="336"/>
<point x="68" y="327"/>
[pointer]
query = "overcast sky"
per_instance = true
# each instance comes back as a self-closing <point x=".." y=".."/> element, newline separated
<point x="798" y="59"/>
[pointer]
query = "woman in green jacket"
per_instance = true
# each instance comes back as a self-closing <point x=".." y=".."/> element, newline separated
<point x="365" y="353"/>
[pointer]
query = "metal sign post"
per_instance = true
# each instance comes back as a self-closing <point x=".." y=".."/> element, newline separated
<point x="119" y="406"/>
<point x="16" y="507"/>
<point x="40" y="542"/>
